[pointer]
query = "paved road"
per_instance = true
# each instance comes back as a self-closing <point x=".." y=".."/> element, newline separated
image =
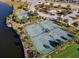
<point x="65" y="4"/>
<point x="34" y="2"/>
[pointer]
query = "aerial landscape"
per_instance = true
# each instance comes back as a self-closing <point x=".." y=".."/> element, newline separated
<point x="39" y="28"/>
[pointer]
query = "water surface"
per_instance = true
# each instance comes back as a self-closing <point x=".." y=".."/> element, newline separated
<point x="10" y="44"/>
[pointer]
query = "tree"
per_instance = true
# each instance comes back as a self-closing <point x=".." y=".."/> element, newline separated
<point x="12" y="0"/>
<point x="68" y="7"/>
<point x="59" y="6"/>
<point x="24" y="19"/>
<point x="51" y="4"/>
<point x="18" y="0"/>
<point x="59" y="18"/>
<point x="36" y="7"/>
<point x="65" y="20"/>
<point x="35" y="13"/>
<point x="39" y="17"/>
<point x="77" y="49"/>
<point x="75" y="24"/>
<point x="47" y="7"/>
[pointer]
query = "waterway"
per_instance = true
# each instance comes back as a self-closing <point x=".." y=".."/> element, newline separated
<point x="10" y="42"/>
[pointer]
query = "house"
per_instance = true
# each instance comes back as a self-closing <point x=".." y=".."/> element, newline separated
<point x="69" y="1"/>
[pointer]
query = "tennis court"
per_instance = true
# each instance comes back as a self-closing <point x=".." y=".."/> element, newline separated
<point x="46" y="36"/>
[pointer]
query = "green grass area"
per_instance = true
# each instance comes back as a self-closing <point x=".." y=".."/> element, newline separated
<point x="70" y="51"/>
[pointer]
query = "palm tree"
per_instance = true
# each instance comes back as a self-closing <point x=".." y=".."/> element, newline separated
<point x="65" y="20"/>
<point x="26" y="37"/>
<point x="24" y="19"/>
<point x="36" y="7"/>
<point x="59" y="6"/>
<point x="18" y="0"/>
<point x="75" y="24"/>
<point x="20" y="28"/>
<point x="12" y="0"/>
<point x="46" y="7"/>
<point x="35" y="13"/>
<point x="51" y="4"/>
<point x="39" y="17"/>
<point x="68" y="7"/>
<point x="59" y="18"/>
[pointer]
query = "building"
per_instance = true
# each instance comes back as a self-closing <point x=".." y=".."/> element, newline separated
<point x="53" y="0"/>
<point x="19" y="0"/>
<point x="69" y="1"/>
<point x="72" y="1"/>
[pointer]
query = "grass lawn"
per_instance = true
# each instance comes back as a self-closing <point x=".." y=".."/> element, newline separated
<point x="70" y="51"/>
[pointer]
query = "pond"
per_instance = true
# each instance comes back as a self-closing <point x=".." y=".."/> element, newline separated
<point x="8" y="47"/>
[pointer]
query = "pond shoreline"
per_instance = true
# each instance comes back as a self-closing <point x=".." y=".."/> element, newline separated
<point x="4" y="14"/>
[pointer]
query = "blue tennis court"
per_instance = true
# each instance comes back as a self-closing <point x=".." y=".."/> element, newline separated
<point x="47" y="35"/>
